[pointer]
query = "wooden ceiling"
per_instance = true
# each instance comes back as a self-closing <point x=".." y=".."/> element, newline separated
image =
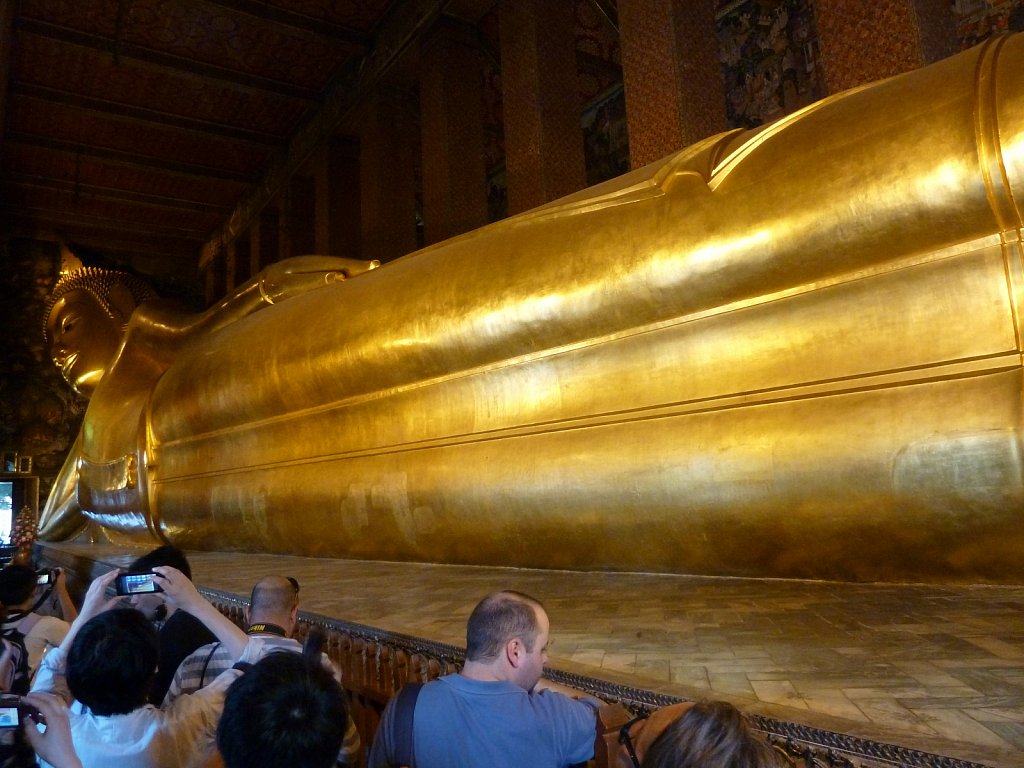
<point x="136" y="127"/>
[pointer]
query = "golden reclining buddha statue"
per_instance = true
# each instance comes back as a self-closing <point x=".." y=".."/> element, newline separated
<point x="789" y="352"/>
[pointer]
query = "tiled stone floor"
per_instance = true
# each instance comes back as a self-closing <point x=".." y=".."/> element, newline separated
<point x="939" y="669"/>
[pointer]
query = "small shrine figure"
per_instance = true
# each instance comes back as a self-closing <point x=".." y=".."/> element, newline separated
<point x="23" y="535"/>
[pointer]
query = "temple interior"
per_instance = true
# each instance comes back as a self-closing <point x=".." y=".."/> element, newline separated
<point x="201" y="145"/>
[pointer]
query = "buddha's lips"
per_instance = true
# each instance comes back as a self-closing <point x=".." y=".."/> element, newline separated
<point x="68" y="363"/>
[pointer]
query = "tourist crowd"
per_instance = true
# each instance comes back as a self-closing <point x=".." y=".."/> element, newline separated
<point x="161" y="678"/>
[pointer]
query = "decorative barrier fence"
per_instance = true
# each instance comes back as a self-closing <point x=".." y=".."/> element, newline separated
<point x="375" y="664"/>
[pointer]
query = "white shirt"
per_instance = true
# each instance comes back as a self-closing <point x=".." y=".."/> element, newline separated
<point x="47" y="633"/>
<point x="146" y="737"/>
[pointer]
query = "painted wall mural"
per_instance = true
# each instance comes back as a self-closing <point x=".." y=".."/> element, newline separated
<point x="39" y="414"/>
<point x="769" y="56"/>
<point x="980" y="19"/>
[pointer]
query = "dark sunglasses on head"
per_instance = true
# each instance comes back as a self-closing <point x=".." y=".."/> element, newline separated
<point x="627" y="740"/>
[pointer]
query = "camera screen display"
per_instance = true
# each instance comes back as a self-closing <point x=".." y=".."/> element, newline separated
<point x="43" y="578"/>
<point x="8" y="717"/>
<point x="136" y="584"/>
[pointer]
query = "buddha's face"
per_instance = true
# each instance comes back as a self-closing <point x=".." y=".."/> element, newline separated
<point x="83" y="339"/>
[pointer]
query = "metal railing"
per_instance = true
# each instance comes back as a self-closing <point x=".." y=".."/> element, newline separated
<point x="376" y="663"/>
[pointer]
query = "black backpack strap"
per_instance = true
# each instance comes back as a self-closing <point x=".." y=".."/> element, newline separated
<point x="405" y="708"/>
<point x="202" y="675"/>
<point x="42" y="599"/>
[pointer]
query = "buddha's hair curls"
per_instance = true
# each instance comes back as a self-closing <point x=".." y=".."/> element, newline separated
<point x="98" y="283"/>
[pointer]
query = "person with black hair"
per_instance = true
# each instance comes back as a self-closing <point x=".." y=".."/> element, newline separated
<point x="285" y="710"/>
<point x="24" y="622"/>
<point x="107" y="663"/>
<point x="180" y="633"/>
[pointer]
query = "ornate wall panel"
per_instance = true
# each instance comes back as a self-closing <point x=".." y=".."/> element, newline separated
<point x="866" y="40"/>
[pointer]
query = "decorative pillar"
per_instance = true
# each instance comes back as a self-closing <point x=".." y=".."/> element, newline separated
<point x="265" y="240"/>
<point x="256" y="246"/>
<point x="337" y="200"/>
<point x="284" y="223"/>
<point x="866" y="40"/>
<point x="451" y="122"/>
<point x="210" y="294"/>
<point x="243" y="265"/>
<point x="300" y="213"/>
<point x="541" y="104"/>
<point x="387" y="177"/>
<point x="230" y="264"/>
<point x="671" y="76"/>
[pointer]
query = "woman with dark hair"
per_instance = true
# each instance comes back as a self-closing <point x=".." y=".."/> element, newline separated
<point x="710" y="734"/>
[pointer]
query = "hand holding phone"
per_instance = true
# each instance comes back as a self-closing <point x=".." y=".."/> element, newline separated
<point x="136" y="584"/>
<point x="9" y="715"/>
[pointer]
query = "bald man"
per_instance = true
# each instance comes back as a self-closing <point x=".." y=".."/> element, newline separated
<point x="272" y="615"/>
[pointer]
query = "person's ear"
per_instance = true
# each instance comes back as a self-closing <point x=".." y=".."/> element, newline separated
<point x="514" y="652"/>
<point x="122" y="302"/>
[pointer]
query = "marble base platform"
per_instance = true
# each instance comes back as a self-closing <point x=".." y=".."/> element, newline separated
<point x="937" y="669"/>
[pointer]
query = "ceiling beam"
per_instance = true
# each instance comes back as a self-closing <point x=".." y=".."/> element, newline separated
<point x="130" y="159"/>
<point x="155" y="117"/>
<point x="109" y="194"/>
<point x="106" y="241"/>
<point x="62" y="219"/>
<point x="301" y="21"/>
<point x="396" y="34"/>
<point x="193" y="68"/>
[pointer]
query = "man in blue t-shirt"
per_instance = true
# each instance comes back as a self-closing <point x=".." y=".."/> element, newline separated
<point x="498" y="711"/>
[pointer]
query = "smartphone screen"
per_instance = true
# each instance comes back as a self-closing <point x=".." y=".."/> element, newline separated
<point x="136" y="584"/>
<point x="8" y="717"/>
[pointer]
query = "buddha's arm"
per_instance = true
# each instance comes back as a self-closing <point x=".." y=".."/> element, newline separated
<point x="62" y="517"/>
<point x="167" y="327"/>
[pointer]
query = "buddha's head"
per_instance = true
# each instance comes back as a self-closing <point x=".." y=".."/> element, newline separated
<point x="85" y="319"/>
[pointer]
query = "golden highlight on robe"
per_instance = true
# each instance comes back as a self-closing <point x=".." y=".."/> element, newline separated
<point x="788" y="352"/>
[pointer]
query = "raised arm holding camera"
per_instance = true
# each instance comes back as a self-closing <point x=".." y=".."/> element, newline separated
<point x="25" y="594"/>
<point x="107" y="662"/>
<point x="179" y="631"/>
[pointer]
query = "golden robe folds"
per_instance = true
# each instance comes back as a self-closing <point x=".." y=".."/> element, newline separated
<point x="789" y="352"/>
